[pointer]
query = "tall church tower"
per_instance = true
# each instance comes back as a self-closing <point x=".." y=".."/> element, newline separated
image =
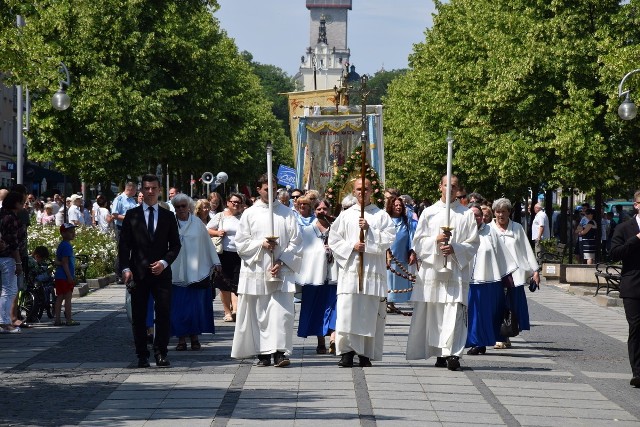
<point x="327" y="55"/>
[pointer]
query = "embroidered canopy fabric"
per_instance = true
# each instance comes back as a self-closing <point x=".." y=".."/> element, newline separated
<point x="325" y="141"/>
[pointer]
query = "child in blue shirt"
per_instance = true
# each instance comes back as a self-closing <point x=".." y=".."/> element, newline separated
<point x="65" y="276"/>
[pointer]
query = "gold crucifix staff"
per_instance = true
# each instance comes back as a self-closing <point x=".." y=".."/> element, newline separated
<point x="363" y="172"/>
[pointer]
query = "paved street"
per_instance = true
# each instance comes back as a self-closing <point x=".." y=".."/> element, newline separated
<point x="570" y="369"/>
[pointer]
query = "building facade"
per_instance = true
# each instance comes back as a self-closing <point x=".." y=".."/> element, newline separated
<point x="327" y="55"/>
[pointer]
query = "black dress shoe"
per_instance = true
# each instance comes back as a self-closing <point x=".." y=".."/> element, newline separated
<point x="346" y="360"/>
<point x="441" y="362"/>
<point x="143" y="362"/>
<point x="453" y="363"/>
<point x="280" y="360"/>
<point x="162" y="361"/>
<point x="365" y="362"/>
<point x="264" y="360"/>
<point x="635" y="381"/>
<point x="474" y="351"/>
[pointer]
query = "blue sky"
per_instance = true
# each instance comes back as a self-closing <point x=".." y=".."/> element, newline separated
<point x="381" y="32"/>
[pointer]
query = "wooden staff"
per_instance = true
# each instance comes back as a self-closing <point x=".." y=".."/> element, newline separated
<point x="363" y="173"/>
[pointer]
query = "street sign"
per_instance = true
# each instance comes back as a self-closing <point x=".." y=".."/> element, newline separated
<point x="11" y="166"/>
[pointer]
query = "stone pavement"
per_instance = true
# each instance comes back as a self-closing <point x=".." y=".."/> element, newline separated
<point x="570" y="369"/>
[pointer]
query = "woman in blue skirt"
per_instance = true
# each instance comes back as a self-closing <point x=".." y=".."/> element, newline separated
<point x="399" y="253"/>
<point x="513" y="236"/>
<point x="492" y="268"/>
<point x="191" y="293"/>
<point x="317" y="276"/>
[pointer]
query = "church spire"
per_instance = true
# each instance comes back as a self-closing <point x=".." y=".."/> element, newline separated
<point x="322" y="30"/>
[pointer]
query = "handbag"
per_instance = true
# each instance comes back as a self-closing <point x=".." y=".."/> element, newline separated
<point x="509" y="326"/>
<point x="221" y="282"/>
<point x="533" y="286"/>
<point x="217" y="241"/>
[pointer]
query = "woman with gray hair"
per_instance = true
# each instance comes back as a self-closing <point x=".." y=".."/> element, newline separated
<point x="191" y="293"/>
<point x="513" y="236"/>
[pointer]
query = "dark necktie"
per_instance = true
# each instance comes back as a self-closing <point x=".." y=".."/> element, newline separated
<point x="150" y="226"/>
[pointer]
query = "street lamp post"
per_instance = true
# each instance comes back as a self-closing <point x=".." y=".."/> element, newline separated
<point x="60" y="102"/>
<point x="627" y="109"/>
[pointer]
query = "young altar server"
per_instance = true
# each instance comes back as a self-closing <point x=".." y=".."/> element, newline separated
<point x="439" y="322"/>
<point x="264" y="322"/>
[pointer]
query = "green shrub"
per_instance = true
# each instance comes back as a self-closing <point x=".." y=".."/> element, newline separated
<point x="101" y="248"/>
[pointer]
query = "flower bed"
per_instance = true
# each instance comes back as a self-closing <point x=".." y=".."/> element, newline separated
<point x="101" y="248"/>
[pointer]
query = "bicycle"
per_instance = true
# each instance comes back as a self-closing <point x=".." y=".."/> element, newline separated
<point x="38" y="297"/>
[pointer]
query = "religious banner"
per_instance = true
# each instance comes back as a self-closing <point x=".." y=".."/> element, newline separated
<point x="326" y="140"/>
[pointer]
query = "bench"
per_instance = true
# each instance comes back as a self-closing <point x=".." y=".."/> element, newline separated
<point x="556" y="255"/>
<point x="608" y="275"/>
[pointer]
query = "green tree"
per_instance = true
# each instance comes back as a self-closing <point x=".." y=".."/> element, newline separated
<point x="377" y="86"/>
<point x="152" y="83"/>
<point x="275" y="82"/>
<point x="525" y="89"/>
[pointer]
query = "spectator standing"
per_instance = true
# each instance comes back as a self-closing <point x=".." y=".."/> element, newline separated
<point x="65" y="275"/>
<point x="103" y="217"/>
<point x="225" y="224"/>
<point x="75" y="215"/>
<point x="215" y="202"/>
<point x="589" y="234"/>
<point x="121" y="204"/>
<point x="540" y="228"/>
<point x="48" y="218"/>
<point x="10" y="259"/>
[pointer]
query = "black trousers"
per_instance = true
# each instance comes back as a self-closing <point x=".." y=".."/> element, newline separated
<point x="632" y="311"/>
<point x="161" y="292"/>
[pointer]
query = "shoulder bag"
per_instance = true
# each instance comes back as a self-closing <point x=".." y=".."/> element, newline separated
<point x="217" y="241"/>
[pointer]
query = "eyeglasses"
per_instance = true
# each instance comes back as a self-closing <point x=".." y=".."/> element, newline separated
<point x="181" y="206"/>
<point x="235" y="202"/>
<point x="295" y="197"/>
<point x="463" y="196"/>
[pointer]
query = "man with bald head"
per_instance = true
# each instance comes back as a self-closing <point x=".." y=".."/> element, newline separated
<point x="540" y="227"/>
<point x="361" y="310"/>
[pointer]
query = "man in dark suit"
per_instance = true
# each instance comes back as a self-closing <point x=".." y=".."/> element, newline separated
<point x="625" y="247"/>
<point x="149" y="243"/>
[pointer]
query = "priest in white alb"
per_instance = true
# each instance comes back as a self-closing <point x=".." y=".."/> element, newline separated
<point x="264" y="322"/>
<point x="361" y="313"/>
<point x="439" y="322"/>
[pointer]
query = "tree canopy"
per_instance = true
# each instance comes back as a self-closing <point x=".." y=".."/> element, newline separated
<point x="152" y="83"/>
<point x="529" y="91"/>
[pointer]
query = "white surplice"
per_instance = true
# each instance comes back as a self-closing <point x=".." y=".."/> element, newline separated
<point x="264" y="319"/>
<point x="493" y="260"/>
<point x="315" y="269"/>
<point x="361" y="315"/>
<point x="439" y="321"/>
<point x="515" y="239"/>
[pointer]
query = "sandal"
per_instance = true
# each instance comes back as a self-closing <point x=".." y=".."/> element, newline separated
<point x="227" y="318"/>
<point x="195" y="345"/>
<point x="182" y="346"/>
<point x="332" y="347"/>
<point x="321" y="349"/>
